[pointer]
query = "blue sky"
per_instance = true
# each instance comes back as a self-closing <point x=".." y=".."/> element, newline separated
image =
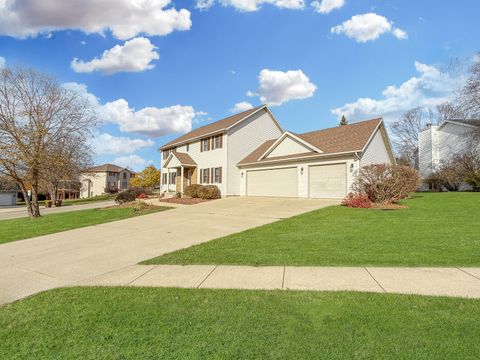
<point x="170" y="66"/>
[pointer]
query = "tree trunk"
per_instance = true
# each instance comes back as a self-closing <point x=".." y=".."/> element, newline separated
<point x="27" y="200"/>
<point x="35" y="207"/>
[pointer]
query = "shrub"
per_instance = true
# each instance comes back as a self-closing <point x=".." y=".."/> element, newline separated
<point x="357" y="201"/>
<point x="192" y="190"/>
<point x="129" y="195"/>
<point x="470" y="165"/>
<point x="178" y="195"/>
<point x="449" y="176"/>
<point x="208" y="192"/>
<point x="386" y="183"/>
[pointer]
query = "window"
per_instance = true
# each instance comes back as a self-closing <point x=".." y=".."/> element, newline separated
<point x="173" y="178"/>
<point x="124" y="175"/>
<point x="187" y="147"/>
<point x="166" y="153"/>
<point x="217" y="175"/>
<point x="217" y="142"/>
<point x="164" y="178"/>
<point x="204" y="176"/>
<point x="205" y="145"/>
<point x="124" y="184"/>
<point x="111" y="173"/>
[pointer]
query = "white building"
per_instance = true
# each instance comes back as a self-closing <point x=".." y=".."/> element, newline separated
<point x="441" y="143"/>
<point x="105" y="179"/>
<point x="8" y="197"/>
<point x="250" y="154"/>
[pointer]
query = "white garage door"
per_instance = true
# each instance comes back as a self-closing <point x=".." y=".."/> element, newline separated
<point x="328" y="181"/>
<point x="274" y="182"/>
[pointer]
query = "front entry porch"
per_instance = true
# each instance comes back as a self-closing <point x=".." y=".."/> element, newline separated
<point x="180" y="170"/>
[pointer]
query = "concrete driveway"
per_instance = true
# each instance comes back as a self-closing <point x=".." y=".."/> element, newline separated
<point x="15" y="212"/>
<point x="71" y="257"/>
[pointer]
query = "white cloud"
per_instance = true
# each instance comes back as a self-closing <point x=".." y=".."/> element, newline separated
<point x="254" y="5"/>
<point x="325" y="6"/>
<point x="108" y="144"/>
<point x="277" y="87"/>
<point x="241" y="106"/>
<point x="2" y="62"/>
<point x="133" y="56"/>
<point x="400" y="34"/>
<point x="430" y="88"/>
<point x="134" y="162"/>
<point x="150" y="121"/>
<point x="203" y="5"/>
<point x="367" y="27"/>
<point x="124" y="18"/>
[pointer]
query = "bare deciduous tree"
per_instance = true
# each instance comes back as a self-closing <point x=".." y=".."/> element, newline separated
<point x="469" y="101"/>
<point x="37" y="117"/>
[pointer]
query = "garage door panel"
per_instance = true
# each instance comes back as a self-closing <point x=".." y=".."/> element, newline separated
<point x="273" y="182"/>
<point x="328" y="181"/>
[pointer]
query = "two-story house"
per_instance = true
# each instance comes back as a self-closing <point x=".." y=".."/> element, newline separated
<point x="105" y="179"/>
<point x="250" y="154"/>
<point x="437" y="144"/>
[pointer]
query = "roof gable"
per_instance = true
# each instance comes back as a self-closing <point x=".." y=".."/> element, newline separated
<point x="176" y="159"/>
<point x="289" y="144"/>
<point x="215" y="127"/>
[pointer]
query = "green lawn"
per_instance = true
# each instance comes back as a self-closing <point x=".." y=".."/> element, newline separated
<point x="148" y="323"/>
<point x="24" y="228"/>
<point x="437" y="229"/>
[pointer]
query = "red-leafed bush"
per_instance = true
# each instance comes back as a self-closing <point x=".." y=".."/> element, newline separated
<point x="142" y="196"/>
<point x="357" y="201"/>
<point x="386" y="184"/>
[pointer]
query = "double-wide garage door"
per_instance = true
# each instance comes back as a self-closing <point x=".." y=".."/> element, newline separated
<point x="324" y="181"/>
<point x="273" y="182"/>
<point x="327" y="181"/>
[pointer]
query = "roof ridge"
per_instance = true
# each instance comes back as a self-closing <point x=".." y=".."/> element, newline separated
<point x="342" y="126"/>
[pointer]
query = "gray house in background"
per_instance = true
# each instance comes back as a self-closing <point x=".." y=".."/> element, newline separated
<point x="8" y="194"/>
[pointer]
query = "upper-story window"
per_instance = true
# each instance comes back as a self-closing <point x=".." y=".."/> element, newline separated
<point x="166" y="153"/>
<point x="124" y="175"/>
<point x="217" y="142"/>
<point x="205" y="144"/>
<point x="111" y="173"/>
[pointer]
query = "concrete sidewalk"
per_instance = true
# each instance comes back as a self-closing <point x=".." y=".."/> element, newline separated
<point x="21" y="211"/>
<point x="459" y="282"/>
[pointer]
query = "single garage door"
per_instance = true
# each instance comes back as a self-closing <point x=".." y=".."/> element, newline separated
<point x="328" y="181"/>
<point x="274" y="182"/>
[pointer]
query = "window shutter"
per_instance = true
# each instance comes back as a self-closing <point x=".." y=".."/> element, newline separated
<point x="220" y="175"/>
<point x="209" y="144"/>
<point x="201" y="145"/>
<point x="221" y="146"/>
<point x="212" y="174"/>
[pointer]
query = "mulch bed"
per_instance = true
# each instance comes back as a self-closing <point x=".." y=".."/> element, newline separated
<point x="183" y="201"/>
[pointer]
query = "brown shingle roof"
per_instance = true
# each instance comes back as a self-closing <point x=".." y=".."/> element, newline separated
<point x="340" y="139"/>
<point x="184" y="158"/>
<point x="107" y="168"/>
<point x="216" y="126"/>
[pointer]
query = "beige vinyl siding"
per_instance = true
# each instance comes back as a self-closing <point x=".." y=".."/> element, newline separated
<point x="243" y="139"/>
<point x="328" y="181"/>
<point x="281" y="182"/>
<point x="376" y="151"/>
<point x="288" y="146"/>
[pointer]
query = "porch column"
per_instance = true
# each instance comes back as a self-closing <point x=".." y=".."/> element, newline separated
<point x="168" y="180"/>
<point x="181" y="179"/>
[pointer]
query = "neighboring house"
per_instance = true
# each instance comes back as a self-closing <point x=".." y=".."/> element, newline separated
<point x="8" y="193"/>
<point x="441" y="143"/>
<point x="8" y="197"/>
<point x="105" y="179"/>
<point x="250" y="154"/>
